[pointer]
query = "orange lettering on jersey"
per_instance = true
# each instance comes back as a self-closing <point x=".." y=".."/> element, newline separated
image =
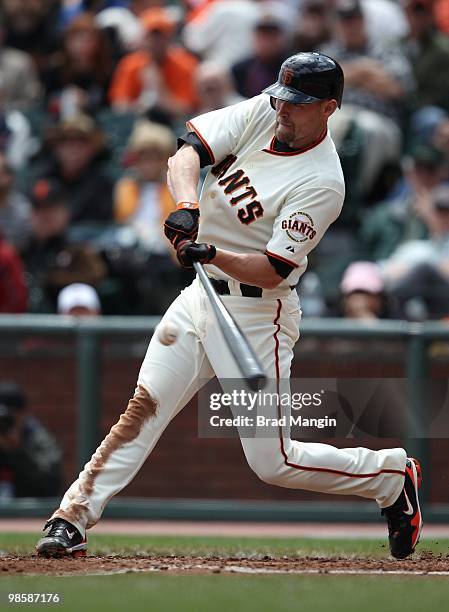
<point x="234" y="181"/>
<point x="220" y="169"/>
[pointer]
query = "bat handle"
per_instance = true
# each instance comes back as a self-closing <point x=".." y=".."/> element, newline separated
<point x="201" y="272"/>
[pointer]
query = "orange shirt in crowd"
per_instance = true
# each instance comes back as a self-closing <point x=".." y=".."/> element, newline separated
<point x="177" y="69"/>
<point x="126" y="200"/>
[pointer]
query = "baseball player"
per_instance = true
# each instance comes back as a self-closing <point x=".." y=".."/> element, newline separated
<point x="274" y="186"/>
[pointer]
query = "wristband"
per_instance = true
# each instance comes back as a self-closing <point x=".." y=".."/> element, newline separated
<point x="187" y="204"/>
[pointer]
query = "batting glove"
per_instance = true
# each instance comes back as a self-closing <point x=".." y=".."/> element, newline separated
<point x="182" y="224"/>
<point x="188" y="252"/>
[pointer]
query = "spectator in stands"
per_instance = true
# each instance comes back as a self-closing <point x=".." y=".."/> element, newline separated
<point x="13" y="292"/>
<point x="419" y="269"/>
<point x="315" y="27"/>
<point x="399" y="219"/>
<point x="51" y="260"/>
<point x="142" y="199"/>
<point x="75" y="156"/>
<point x="148" y="275"/>
<point x="30" y="27"/>
<point x="272" y="40"/>
<point x="385" y="20"/>
<point x="30" y="459"/>
<point x="14" y="208"/>
<point x="428" y="51"/>
<point x="80" y="75"/>
<point x="79" y="300"/>
<point x="377" y="75"/>
<point x="215" y="87"/>
<point x="425" y="125"/>
<point x="159" y="75"/>
<point x="50" y="219"/>
<point x="209" y="32"/>
<point x="378" y="84"/>
<point x="362" y="291"/>
<point x="18" y="79"/>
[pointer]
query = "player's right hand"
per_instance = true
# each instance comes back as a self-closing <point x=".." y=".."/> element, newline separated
<point x="188" y="251"/>
<point x="182" y="224"/>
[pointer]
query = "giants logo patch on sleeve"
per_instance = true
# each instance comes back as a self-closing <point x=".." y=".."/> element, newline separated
<point x="299" y="227"/>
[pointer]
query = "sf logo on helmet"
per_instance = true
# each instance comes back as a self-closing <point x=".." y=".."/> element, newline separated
<point x="287" y="76"/>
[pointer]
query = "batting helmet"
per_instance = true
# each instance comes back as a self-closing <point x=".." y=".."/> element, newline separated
<point x="308" y="77"/>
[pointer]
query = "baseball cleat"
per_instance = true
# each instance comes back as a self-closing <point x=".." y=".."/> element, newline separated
<point x="404" y="517"/>
<point x="62" y="539"/>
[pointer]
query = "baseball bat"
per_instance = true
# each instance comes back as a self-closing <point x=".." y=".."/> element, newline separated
<point x="239" y="346"/>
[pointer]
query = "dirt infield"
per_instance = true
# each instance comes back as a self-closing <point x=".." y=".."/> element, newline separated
<point x="422" y="564"/>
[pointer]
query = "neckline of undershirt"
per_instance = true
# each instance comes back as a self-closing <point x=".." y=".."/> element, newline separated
<point x="280" y="148"/>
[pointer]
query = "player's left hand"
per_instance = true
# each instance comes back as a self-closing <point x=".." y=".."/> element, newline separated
<point x="188" y="252"/>
<point x="182" y="224"/>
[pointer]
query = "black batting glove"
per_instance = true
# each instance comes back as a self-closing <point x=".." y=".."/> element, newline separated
<point x="189" y="251"/>
<point x="182" y="224"/>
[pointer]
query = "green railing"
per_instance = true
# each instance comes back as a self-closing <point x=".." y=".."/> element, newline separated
<point x="89" y="331"/>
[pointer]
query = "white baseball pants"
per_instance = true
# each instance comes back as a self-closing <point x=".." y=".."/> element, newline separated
<point x="171" y="375"/>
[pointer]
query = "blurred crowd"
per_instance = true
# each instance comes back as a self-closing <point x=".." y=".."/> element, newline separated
<point x="30" y="457"/>
<point x="93" y="94"/>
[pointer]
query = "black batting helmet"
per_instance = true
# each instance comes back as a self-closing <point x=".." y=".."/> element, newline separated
<point x="308" y="77"/>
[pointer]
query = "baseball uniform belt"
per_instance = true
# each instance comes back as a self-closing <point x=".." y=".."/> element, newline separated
<point x="222" y="288"/>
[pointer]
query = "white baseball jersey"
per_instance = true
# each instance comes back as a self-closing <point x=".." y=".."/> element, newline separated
<point x="256" y="199"/>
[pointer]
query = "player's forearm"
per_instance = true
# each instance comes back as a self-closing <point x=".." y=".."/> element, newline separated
<point x="251" y="269"/>
<point x="183" y="174"/>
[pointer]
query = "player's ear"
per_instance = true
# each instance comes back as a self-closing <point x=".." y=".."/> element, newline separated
<point x="330" y="107"/>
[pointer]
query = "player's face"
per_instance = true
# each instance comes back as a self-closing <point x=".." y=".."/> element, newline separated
<point x="299" y="125"/>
